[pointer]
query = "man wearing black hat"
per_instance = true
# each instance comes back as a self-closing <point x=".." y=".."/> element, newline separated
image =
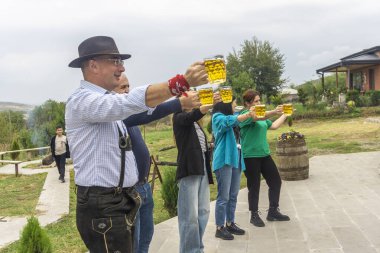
<point x="104" y="165"/>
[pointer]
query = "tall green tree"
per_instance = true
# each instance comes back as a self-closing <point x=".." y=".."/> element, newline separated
<point x="262" y="64"/>
<point x="43" y="121"/>
<point x="15" y="146"/>
<point x="5" y="129"/>
<point x="302" y="96"/>
<point x="11" y="124"/>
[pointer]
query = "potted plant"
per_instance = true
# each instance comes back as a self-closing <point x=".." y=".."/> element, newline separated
<point x="292" y="156"/>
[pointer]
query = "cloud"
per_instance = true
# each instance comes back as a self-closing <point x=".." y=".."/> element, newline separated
<point x="325" y="57"/>
<point x="40" y="37"/>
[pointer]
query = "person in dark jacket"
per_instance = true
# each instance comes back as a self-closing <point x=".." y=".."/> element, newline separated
<point x="194" y="176"/>
<point x="144" y="225"/>
<point x="60" y="151"/>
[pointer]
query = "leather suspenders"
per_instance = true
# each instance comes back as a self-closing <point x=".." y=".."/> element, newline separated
<point x="125" y="144"/>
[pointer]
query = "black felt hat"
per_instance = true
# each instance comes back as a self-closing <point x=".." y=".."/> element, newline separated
<point x="96" y="46"/>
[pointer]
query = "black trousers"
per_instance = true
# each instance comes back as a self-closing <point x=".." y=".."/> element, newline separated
<point x="255" y="167"/>
<point x="105" y="218"/>
<point x="60" y="161"/>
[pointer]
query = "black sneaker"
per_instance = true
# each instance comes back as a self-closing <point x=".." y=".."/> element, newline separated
<point x="275" y="215"/>
<point x="223" y="234"/>
<point x="256" y="220"/>
<point x="63" y="180"/>
<point x="233" y="229"/>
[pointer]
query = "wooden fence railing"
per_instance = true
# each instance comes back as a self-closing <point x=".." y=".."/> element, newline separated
<point x="28" y="151"/>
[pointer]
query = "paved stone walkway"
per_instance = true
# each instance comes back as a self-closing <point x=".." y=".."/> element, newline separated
<point x="336" y="210"/>
<point x="52" y="204"/>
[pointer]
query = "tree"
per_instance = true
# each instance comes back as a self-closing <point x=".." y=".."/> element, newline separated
<point x="169" y="191"/>
<point x="34" y="239"/>
<point x="44" y="119"/>
<point x="315" y="91"/>
<point x="5" y="129"/>
<point x="262" y="64"/>
<point x="15" y="146"/>
<point x="11" y="123"/>
<point x="302" y="96"/>
<point x="243" y="82"/>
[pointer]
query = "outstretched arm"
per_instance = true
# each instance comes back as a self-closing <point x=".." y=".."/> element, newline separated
<point x="157" y="93"/>
<point x="162" y="110"/>
<point x="278" y="122"/>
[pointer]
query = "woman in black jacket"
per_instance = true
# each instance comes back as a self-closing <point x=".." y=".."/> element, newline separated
<point x="194" y="176"/>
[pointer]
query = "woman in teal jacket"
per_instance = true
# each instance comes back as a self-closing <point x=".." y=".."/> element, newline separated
<point x="227" y="166"/>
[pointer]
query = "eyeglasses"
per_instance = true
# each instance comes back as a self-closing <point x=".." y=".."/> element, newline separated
<point x="116" y="61"/>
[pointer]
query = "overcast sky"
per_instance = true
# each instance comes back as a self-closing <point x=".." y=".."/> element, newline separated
<point x="39" y="38"/>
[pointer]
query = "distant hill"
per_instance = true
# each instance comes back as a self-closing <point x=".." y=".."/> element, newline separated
<point x="5" y="106"/>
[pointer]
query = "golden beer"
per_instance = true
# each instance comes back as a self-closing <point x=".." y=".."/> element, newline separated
<point x="206" y="96"/>
<point x="288" y="109"/>
<point x="260" y="111"/>
<point x="226" y="94"/>
<point x="216" y="69"/>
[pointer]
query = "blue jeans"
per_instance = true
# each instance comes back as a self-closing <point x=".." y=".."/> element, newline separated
<point x="144" y="226"/>
<point x="228" y="179"/>
<point x="193" y="212"/>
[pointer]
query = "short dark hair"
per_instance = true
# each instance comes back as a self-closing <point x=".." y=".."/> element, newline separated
<point x="225" y="108"/>
<point x="58" y="127"/>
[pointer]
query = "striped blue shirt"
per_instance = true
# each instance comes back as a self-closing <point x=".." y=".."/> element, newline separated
<point x="92" y="115"/>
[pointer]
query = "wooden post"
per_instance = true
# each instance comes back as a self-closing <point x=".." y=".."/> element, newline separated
<point x="349" y="78"/>
<point x="155" y="171"/>
<point x="16" y="168"/>
<point x="323" y="82"/>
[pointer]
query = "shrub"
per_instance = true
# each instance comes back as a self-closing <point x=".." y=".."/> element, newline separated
<point x="15" y="146"/>
<point x="375" y="97"/>
<point x="34" y="239"/>
<point x="365" y="101"/>
<point x="351" y="104"/>
<point x="320" y="106"/>
<point x="169" y="191"/>
<point x="354" y="96"/>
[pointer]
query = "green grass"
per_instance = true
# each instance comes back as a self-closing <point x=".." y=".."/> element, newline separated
<point x="333" y="136"/>
<point x="19" y="195"/>
<point x="63" y="234"/>
<point x="322" y="137"/>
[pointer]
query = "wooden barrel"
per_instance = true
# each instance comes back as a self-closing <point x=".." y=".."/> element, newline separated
<point x="292" y="160"/>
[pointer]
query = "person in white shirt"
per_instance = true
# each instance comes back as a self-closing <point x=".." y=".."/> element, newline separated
<point x="60" y="151"/>
<point x="104" y="164"/>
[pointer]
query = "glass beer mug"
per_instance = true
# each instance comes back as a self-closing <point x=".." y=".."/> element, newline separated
<point x="216" y="69"/>
<point x="206" y="96"/>
<point x="260" y="111"/>
<point x="226" y="94"/>
<point x="288" y="109"/>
